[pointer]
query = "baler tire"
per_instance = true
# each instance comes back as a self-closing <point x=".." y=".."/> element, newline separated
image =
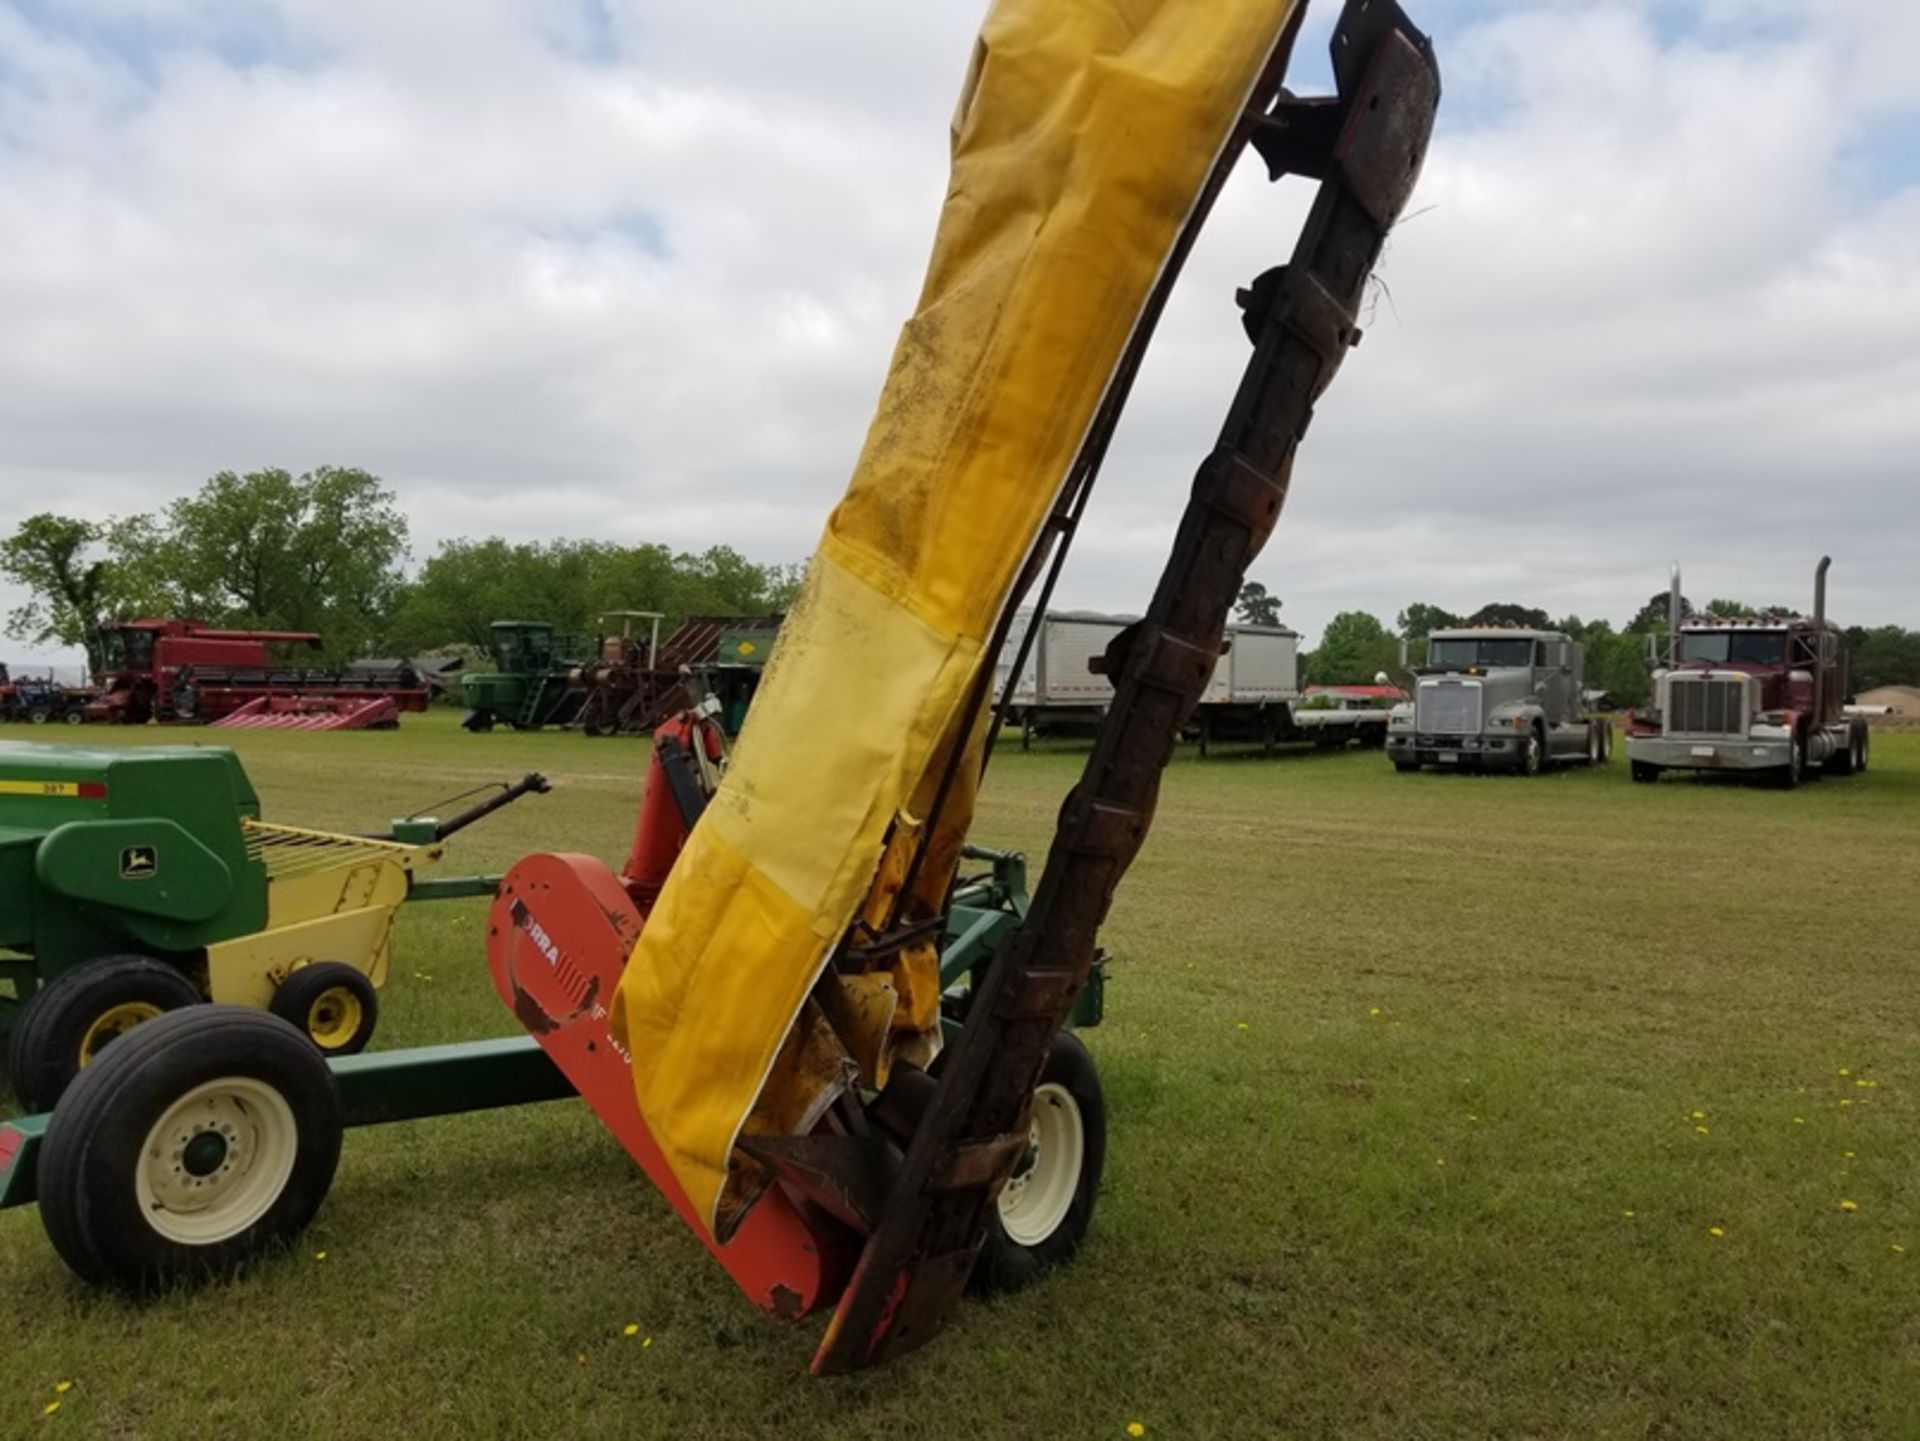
<point x="68" y="1023"/>
<point x="251" y="1118"/>
<point x="1029" y="1235"/>
<point x="331" y="1004"/>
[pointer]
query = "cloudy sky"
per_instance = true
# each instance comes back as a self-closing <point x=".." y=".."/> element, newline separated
<point x="633" y="268"/>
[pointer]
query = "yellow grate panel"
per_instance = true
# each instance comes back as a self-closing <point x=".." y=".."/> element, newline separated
<point x="290" y="851"/>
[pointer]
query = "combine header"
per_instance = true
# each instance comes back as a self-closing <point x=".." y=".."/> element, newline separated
<point x="183" y="670"/>
<point x="829" y="1038"/>
<point x="313" y="713"/>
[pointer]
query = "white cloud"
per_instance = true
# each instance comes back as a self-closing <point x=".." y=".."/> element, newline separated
<point x="635" y="270"/>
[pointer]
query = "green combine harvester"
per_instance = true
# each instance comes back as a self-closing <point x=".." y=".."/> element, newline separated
<point x="535" y="681"/>
<point x="134" y="881"/>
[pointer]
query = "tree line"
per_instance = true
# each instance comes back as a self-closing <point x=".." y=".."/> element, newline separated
<point x="326" y="551"/>
<point x="1356" y="646"/>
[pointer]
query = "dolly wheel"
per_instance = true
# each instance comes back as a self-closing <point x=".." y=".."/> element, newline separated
<point x="73" y="1018"/>
<point x="335" y="1005"/>
<point x="203" y="1138"/>
<point x="1043" y="1211"/>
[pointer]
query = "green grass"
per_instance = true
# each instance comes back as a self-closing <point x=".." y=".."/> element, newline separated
<point x="1389" y="1061"/>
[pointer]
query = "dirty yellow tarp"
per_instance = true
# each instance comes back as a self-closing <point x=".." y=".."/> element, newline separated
<point x="1085" y="133"/>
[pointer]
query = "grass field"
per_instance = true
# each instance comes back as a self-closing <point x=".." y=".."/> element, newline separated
<point x="1440" y="1106"/>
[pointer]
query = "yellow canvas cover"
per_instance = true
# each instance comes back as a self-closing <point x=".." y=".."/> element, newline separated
<point x="1085" y="132"/>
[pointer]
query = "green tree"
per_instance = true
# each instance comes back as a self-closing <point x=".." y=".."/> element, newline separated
<point x="1257" y="605"/>
<point x="1354" y="649"/>
<point x="55" y="559"/>
<point x="1507" y="613"/>
<point x="320" y="551"/>
<point x="1882" y="655"/>
<point x="1651" y="618"/>
<point x="1420" y="620"/>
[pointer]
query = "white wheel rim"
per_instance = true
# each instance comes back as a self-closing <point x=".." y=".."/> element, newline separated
<point x="215" y="1163"/>
<point x="1037" y="1198"/>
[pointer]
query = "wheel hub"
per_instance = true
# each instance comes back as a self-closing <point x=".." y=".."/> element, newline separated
<point x="216" y="1160"/>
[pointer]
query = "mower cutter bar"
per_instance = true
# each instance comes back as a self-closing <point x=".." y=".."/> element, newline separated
<point x="1366" y="146"/>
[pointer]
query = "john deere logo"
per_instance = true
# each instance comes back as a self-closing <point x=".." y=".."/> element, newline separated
<point x="746" y="647"/>
<point x="139" y="863"/>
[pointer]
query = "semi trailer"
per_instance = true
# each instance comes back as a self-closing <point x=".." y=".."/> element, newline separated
<point x="1252" y="694"/>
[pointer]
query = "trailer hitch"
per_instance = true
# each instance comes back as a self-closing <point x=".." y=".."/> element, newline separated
<point x="1365" y="145"/>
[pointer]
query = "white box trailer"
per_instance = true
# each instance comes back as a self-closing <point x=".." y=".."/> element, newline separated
<point x="1254" y="693"/>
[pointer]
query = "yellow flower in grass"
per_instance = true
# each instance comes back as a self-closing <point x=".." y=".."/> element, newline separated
<point x="1716" y="1231"/>
<point x="1702" y="1130"/>
<point x="632" y="1328"/>
<point x="1699" y="1115"/>
<point x="60" y="1388"/>
<point x="1845" y="1072"/>
<point x="1627" y="1214"/>
<point x="1799" y="1120"/>
<point x="1134" y="1428"/>
<point x="1849" y="1205"/>
<point x="1898" y="1249"/>
<point x="50" y="1408"/>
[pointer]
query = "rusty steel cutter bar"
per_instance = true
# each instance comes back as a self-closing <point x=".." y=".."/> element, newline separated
<point x="1365" y="145"/>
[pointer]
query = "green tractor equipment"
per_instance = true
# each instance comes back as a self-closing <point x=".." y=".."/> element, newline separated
<point x="535" y="682"/>
<point x="135" y="881"/>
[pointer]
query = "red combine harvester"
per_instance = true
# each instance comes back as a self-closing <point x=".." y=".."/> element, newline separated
<point x="184" y="670"/>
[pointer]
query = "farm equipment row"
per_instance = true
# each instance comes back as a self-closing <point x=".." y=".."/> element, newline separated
<point x="627" y="681"/>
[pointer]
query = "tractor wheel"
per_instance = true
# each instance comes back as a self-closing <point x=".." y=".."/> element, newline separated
<point x="1043" y="1211"/>
<point x="1645" y="772"/>
<point x="40" y="714"/>
<point x="71" y="1020"/>
<point x="208" y="1136"/>
<point x="74" y="717"/>
<point x="333" y="1005"/>
<point x="477" y="721"/>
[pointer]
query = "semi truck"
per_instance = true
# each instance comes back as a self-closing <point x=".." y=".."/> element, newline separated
<point x="1253" y="694"/>
<point x="1499" y="698"/>
<point x="1763" y="695"/>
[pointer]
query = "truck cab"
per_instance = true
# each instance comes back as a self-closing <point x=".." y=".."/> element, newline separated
<point x="1498" y="699"/>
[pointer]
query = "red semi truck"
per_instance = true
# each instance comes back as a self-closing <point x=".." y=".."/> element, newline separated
<point x="1761" y="695"/>
<point x="185" y="670"/>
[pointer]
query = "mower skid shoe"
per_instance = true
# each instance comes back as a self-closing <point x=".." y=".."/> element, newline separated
<point x="1366" y="147"/>
<point x="558" y="935"/>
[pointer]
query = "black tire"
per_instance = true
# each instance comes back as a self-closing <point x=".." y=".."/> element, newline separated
<point x="69" y="1022"/>
<point x="331" y="1004"/>
<point x="1866" y="744"/>
<point x="39" y="715"/>
<point x="1533" y="755"/>
<point x="1405" y="766"/>
<point x="1596" y="744"/>
<point x="266" y="1121"/>
<point x="1789" y="776"/>
<point x="477" y="721"/>
<point x="74" y="717"/>
<point x="1069" y="1080"/>
<point x="1606" y="742"/>
<point x="1850" y="759"/>
<point x="1644" y="772"/>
